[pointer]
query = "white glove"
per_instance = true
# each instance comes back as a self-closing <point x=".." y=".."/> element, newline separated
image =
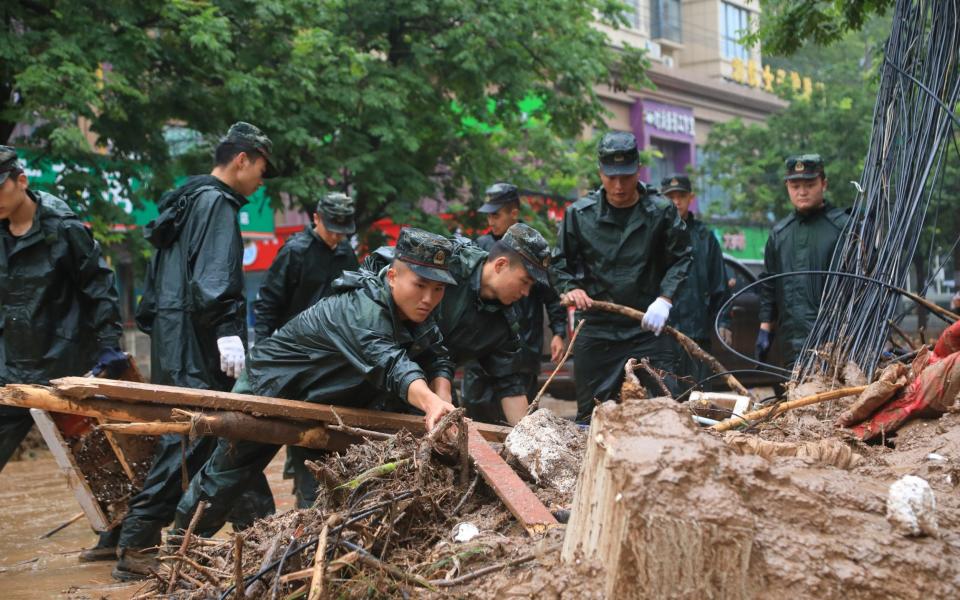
<point x="231" y="355"/>
<point x="656" y="315"/>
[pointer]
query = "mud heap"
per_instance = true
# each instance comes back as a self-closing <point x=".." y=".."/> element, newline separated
<point x="673" y="511"/>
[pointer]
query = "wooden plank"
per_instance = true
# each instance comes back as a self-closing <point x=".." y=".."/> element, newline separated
<point x="520" y="501"/>
<point x="229" y="424"/>
<point x="124" y="391"/>
<point x="68" y="466"/>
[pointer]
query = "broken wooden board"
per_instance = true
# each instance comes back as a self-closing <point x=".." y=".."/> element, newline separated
<point x="124" y="391"/>
<point x="522" y="503"/>
<point x="229" y="424"/>
<point x="76" y="479"/>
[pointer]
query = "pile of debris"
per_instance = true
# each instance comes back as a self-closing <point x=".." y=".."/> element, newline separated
<point x="395" y="516"/>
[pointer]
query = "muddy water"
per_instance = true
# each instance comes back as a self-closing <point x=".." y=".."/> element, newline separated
<point x="34" y="498"/>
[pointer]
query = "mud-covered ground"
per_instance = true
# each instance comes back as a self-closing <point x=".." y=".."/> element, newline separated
<point x="34" y="498"/>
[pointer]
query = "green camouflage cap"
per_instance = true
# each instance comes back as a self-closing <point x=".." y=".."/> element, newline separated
<point x="337" y="211"/>
<point x="678" y="182"/>
<point x="8" y="162"/>
<point x="804" y="166"/>
<point x="427" y="254"/>
<point x="532" y="248"/>
<point x="618" y="154"/>
<point x="244" y="134"/>
<point x="499" y="195"/>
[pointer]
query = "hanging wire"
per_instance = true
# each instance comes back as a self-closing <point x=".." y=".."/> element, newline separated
<point x="912" y="127"/>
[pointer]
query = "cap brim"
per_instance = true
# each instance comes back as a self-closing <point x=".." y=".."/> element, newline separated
<point x="537" y="272"/>
<point x="793" y="176"/>
<point x="489" y="208"/>
<point x="625" y="169"/>
<point x="675" y="188"/>
<point x="272" y="170"/>
<point x="344" y="228"/>
<point x="440" y="275"/>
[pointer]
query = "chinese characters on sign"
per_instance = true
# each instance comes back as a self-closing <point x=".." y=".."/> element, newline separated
<point x="750" y="73"/>
<point x="670" y="121"/>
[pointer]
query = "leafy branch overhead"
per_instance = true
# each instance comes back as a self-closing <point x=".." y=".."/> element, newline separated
<point x="366" y="95"/>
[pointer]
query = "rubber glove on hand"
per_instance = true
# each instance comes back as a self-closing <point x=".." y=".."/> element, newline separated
<point x="762" y="347"/>
<point x="111" y="361"/>
<point x="656" y="315"/>
<point x="231" y="355"/>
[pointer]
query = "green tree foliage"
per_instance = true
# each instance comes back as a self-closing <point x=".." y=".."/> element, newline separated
<point x="747" y="160"/>
<point x="786" y="26"/>
<point x="370" y="96"/>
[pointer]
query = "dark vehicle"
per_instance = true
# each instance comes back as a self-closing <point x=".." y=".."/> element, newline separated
<point x="744" y="322"/>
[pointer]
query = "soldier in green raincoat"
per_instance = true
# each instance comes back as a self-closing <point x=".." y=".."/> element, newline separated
<point x="502" y="207"/>
<point x="803" y="241"/>
<point x="477" y="318"/>
<point x="373" y="344"/>
<point x="626" y="245"/>
<point x="699" y="299"/>
<point x="59" y="311"/>
<point x="194" y="309"/>
<point x="302" y="274"/>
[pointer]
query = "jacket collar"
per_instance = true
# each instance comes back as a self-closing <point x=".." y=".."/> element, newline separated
<point x="638" y="216"/>
<point x="37" y="231"/>
<point x="339" y="250"/>
<point x="814" y="214"/>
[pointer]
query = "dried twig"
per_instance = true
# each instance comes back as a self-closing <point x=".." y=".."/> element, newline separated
<point x="782" y="407"/>
<point x="238" y="591"/>
<point x="267" y="559"/>
<point x="466" y="496"/>
<point x="342" y="427"/>
<point x="464" y="450"/>
<point x="319" y="564"/>
<point x="373" y="561"/>
<point x="536" y="400"/>
<point x="63" y="525"/>
<point x="430" y="440"/>
<point x="183" y="545"/>
<point x="644" y="365"/>
<point x="689" y="345"/>
<point x="211" y="575"/>
<point x="479" y="572"/>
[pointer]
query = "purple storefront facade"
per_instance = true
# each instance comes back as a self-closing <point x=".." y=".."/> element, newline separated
<point x="669" y="129"/>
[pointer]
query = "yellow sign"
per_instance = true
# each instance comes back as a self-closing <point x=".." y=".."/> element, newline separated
<point x="751" y="74"/>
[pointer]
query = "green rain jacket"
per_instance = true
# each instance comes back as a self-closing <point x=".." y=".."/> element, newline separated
<point x="194" y="290"/>
<point x="58" y="298"/>
<point x="705" y="290"/>
<point x="798" y="243"/>
<point x="529" y="313"/>
<point x="302" y="274"/>
<point x="473" y="328"/>
<point x="629" y="263"/>
<point x="349" y="349"/>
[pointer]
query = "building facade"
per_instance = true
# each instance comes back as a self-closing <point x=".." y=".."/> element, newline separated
<point x="702" y="74"/>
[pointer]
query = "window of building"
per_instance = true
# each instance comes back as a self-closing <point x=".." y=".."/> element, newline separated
<point x="665" y="19"/>
<point x="734" y="23"/>
<point x="632" y="13"/>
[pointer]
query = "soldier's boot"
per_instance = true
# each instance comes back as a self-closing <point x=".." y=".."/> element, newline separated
<point x="106" y="548"/>
<point x="136" y="564"/>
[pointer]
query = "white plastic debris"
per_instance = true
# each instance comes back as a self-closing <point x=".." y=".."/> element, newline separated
<point x="464" y="532"/>
<point x="935" y="456"/>
<point x="911" y="506"/>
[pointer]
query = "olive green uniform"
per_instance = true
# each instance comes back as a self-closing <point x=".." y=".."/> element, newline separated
<point x="629" y="256"/>
<point x="800" y="242"/>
